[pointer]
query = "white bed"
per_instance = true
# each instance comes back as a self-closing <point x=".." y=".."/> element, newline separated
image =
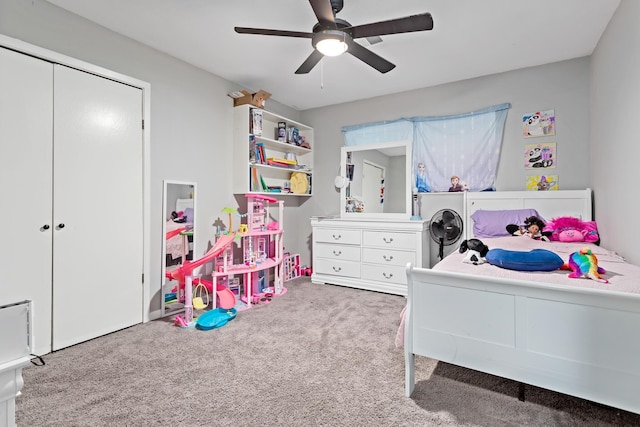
<point x="582" y="338"/>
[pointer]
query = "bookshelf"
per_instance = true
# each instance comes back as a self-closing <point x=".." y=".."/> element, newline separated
<point x="264" y="164"/>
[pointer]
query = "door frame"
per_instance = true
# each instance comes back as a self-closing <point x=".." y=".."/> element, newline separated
<point x="148" y="312"/>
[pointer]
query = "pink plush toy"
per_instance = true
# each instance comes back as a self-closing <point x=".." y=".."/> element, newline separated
<point x="584" y="264"/>
<point x="570" y="229"/>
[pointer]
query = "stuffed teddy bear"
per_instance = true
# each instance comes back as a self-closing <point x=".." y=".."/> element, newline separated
<point x="533" y="227"/>
<point x="584" y="264"/>
<point x="477" y="251"/>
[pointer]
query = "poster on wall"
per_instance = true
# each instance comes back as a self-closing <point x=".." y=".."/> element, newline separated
<point x="541" y="155"/>
<point x="542" y="182"/>
<point x="540" y="123"/>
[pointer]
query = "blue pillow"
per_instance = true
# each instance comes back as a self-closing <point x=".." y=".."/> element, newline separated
<point x="534" y="260"/>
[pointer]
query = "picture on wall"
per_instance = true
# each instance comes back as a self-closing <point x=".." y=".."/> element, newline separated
<point x="541" y="155"/>
<point x="540" y="123"/>
<point x="542" y="182"/>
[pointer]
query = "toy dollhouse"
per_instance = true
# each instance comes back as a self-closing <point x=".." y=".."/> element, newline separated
<point x="261" y="270"/>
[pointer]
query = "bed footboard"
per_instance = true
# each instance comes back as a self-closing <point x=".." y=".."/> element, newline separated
<point x="577" y="341"/>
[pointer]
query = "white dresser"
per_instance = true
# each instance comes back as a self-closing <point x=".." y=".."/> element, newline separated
<point x="368" y="254"/>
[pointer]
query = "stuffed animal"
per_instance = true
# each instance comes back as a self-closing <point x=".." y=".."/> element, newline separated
<point x="532" y="228"/>
<point x="584" y="264"/>
<point x="570" y="229"/>
<point x="477" y="251"/>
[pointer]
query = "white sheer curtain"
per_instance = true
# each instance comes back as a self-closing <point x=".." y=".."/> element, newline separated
<point x="466" y="146"/>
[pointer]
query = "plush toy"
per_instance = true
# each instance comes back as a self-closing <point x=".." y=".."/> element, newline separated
<point x="584" y="264"/>
<point x="477" y="251"/>
<point x="532" y="228"/>
<point x="570" y="229"/>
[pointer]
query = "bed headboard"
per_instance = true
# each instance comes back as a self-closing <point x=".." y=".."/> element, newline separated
<point x="182" y="204"/>
<point x="549" y="204"/>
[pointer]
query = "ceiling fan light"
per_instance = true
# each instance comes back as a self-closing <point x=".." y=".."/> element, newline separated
<point x="331" y="47"/>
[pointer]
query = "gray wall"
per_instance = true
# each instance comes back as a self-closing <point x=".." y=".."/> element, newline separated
<point x="562" y="86"/>
<point x="615" y="146"/>
<point x="191" y="115"/>
<point x="191" y="121"/>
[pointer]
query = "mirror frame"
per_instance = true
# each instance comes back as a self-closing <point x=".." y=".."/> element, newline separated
<point x="163" y="281"/>
<point x="407" y="146"/>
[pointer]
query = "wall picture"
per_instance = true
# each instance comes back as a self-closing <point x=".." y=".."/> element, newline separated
<point x="542" y="182"/>
<point x="540" y="156"/>
<point x="540" y="123"/>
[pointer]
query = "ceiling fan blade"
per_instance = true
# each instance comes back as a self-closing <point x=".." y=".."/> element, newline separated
<point x="409" y="24"/>
<point x="310" y="62"/>
<point x="266" y="32"/>
<point x="368" y="57"/>
<point x="324" y="13"/>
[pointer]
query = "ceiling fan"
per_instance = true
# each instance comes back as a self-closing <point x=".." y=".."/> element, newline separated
<point x="332" y="36"/>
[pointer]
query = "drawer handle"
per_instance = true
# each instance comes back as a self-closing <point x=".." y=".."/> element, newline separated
<point x="337" y="253"/>
<point x="337" y="269"/>
<point x="387" y="258"/>
<point x="387" y="276"/>
<point x="338" y="237"/>
<point x="387" y="240"/>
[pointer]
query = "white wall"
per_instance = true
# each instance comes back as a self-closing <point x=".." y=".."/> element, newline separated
<point x="615" y="146"/>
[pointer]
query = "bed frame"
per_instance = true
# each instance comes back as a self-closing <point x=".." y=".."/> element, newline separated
<point x="578" y="341"/>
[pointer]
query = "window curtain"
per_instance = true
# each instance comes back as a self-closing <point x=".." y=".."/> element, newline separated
<point x="465" y="146"/>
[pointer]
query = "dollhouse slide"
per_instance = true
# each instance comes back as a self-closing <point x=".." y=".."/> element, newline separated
<point x="226" y="297"/>
<point x="186" y="269"/>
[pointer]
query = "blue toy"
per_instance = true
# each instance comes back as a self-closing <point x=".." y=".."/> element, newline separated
<point x="216" y="318"/>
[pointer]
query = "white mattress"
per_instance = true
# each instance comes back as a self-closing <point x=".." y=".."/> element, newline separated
<point x="622" y="276"/>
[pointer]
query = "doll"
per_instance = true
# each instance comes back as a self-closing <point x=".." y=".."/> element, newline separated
<point x="532" y="228"/>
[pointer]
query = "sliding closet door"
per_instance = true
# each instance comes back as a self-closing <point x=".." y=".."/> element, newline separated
<point x="26" y="114"/>
<point x="98" y="219"/>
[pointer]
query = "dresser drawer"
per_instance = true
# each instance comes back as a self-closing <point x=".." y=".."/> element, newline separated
<point x="337" y="235"/>
<point x="341" y="252"/>
<point x="337" y="267"/>
<point x="384" y="273"/>
<point x="389" y="239"/>
<point x="388" y="256"/>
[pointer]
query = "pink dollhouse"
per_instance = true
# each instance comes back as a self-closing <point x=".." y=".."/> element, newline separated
<point x="262" y="253"/>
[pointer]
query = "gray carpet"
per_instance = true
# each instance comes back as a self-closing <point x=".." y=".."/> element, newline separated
<point x="319" y="355"/>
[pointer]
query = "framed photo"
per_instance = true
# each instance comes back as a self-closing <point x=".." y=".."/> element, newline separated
<point x="540" y="156"/>
<point x="542" y="182"/>
<point x="540" y="123"/>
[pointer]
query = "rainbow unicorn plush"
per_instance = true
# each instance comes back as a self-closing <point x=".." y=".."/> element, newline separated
<point x="583" y="263"/>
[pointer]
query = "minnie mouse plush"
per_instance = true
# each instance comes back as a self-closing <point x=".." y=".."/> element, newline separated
<point x="532" y="228"/>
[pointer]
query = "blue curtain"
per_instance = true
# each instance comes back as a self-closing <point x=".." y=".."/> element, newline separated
<point x="463" y="149"/>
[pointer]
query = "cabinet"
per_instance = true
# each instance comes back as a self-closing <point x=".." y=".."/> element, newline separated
<point x="73" y="141"/>
<point x="253" y="168"/>
<point x="368" y="254"/>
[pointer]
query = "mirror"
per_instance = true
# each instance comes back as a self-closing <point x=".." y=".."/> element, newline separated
<point x="179" y="213"/>
<point x="375" y="181"/>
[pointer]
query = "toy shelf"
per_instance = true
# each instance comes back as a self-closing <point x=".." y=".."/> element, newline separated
<point x="291" y="264"/>
<point x="262" y="251"/>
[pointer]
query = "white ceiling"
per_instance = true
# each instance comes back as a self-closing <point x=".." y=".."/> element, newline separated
<point x="470" y="38"/>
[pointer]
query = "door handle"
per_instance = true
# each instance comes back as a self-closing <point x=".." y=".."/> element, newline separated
<point x="45" y="227"/>
<point x="60" y="226"/>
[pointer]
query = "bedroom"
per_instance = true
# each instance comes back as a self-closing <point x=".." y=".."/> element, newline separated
<point x="603" y="87"/>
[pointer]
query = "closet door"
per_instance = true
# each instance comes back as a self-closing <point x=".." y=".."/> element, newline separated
<point x="98" y="219"/>
<point x="26" y="114"/>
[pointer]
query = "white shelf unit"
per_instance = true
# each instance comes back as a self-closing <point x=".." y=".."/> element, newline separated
<point x="272" y="175"/>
